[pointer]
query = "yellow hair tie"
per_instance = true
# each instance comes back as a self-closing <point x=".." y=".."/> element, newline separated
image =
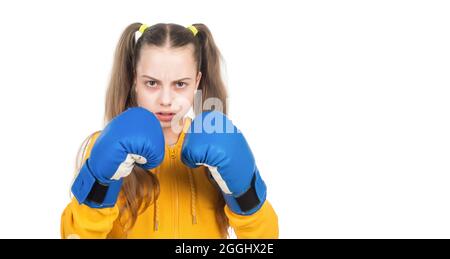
<point x="193" y="29"/>
<point x="143" y="28"/>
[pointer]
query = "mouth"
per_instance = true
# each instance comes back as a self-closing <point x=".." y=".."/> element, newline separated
<point x="165" y="116"/>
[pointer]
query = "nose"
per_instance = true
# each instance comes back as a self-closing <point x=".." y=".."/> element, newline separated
<point x="165" y="97"/>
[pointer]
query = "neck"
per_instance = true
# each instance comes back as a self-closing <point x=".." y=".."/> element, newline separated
<point x="170" y="136"/>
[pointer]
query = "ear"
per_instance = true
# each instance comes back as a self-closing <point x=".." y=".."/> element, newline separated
<point x="199" y="77"/>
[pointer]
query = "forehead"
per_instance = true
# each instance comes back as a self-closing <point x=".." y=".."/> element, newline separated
<point x="159" y="61"/>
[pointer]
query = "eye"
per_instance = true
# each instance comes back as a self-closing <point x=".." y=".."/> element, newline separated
<point x="181" y="84"/>
<point x="151" y="84"/>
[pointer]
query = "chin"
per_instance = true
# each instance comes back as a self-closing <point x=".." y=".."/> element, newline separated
<point x="165" y="124"/>
<point x="168" y="125"/>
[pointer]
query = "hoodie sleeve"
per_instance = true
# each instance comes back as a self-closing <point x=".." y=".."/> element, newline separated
<point x="81" y="221"/>
<point x="262" y="224"/>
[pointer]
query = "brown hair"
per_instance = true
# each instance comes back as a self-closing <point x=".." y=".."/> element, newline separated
<point x="141" y="188"/>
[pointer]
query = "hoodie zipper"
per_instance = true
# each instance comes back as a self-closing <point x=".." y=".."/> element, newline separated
<point x="174" y="171"/>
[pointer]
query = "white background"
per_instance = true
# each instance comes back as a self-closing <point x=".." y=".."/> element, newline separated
<point x="344" y="103"/>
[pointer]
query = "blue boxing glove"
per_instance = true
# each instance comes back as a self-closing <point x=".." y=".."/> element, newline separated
<point x="213" y="141"/>
<point x="134" y="136"/>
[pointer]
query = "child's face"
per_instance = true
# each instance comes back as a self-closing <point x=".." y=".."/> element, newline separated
<point x="166" y="81"/>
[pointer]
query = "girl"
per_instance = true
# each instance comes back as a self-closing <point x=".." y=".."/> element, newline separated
<point x="155" y="173"/>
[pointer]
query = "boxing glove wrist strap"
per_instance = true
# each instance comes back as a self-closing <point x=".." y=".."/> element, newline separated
<point x="88" y="190"/>
<point x="98" y="193"/>
<point x="251" y="200"/>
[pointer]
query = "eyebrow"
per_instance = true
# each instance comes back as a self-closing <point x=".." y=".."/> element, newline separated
<point x="181" y="79"/>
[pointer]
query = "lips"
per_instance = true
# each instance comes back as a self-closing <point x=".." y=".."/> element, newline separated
<point x="165" y="116"/>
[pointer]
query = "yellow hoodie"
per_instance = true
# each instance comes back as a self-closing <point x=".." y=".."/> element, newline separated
<point x="186" y="208"/>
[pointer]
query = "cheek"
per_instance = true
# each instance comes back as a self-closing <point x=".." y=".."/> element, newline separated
<point x="183" y="101"/>
<point x="146" y="99"/>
